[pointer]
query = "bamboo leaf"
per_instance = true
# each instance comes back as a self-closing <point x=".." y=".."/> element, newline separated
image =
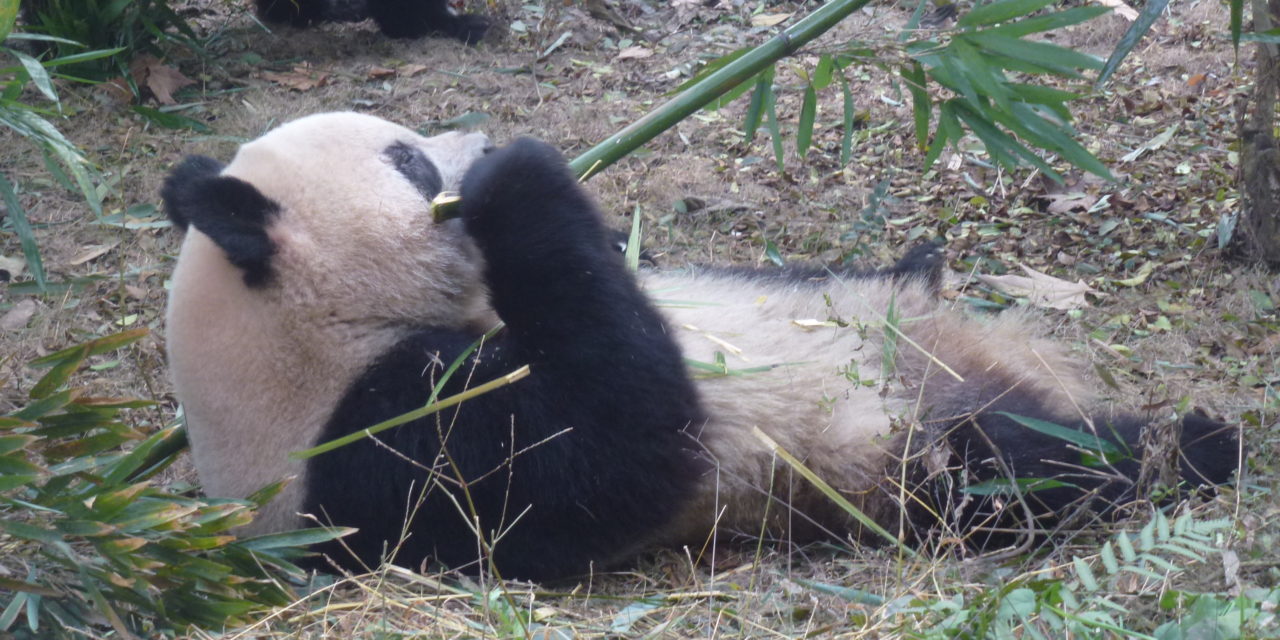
<point x="18" y="218"/>
<point x="1151" y="11"/>
<point x="1082" y="439"/>
<point x="94" y="347"/>
<point x="58" y="375"/>
<point x="717" y="83"/>
<point x="296" y="538"/>
<point x="1002" y="147"/>
<point x="755" y="111"/>
<point x="37" y="74"/>
<point x="948" y="131"/>
<point x="8" y="16"/>
<point x="921" y="106"/>
<point x="9" y="444"/>
<point x="1000" y="11"/>
<point x="1044" y="54"/>
<point x="1237" y="21"/>
<point x="775" y="129"/>
<point x="1058" y="139"/>
<point x="822" y="74"/>
<point x="808" y="113"/>
<point x="1048" y="22"/>
<point x="988" y="80"/>
<point x="850" y="111"/>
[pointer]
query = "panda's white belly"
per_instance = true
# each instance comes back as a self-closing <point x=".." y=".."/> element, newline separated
<point x="798" y="365"/>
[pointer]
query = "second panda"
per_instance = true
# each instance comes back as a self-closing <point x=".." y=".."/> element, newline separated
<point x="315" y="296"/>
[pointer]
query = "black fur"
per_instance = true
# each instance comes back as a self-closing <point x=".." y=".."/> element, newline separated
<point x="602" y="367"/>
<point x="396" y="18"/>
<point x="414" y="165"/>
<point x="1060" y="483"/>
<point x="230" y="211"/>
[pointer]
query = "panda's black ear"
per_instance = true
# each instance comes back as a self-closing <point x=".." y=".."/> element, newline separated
<point x="232" y="212"/>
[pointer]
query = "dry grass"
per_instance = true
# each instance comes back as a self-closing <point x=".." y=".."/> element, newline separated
<point x="1216" y="347"/>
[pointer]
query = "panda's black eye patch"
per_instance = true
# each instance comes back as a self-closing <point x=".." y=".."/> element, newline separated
<point x="414" y="165"/>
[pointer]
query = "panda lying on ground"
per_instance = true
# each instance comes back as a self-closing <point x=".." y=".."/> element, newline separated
<point x="315" y="296"/>
<point x="396" y="18"/>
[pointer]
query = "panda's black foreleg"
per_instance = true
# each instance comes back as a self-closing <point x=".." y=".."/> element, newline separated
<point x="1015" y="481"/>
<point x="600" y="419"/>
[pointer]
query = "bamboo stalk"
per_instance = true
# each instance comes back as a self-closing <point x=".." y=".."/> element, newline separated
<point x="713" y="86"/>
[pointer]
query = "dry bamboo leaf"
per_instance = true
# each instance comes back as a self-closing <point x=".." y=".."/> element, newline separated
<point x="1042" y="289"/>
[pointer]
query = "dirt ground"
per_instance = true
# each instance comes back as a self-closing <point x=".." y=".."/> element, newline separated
<point x="1172" y="319"/>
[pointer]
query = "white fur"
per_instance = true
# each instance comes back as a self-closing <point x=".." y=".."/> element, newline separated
<point x="843" y="431"/>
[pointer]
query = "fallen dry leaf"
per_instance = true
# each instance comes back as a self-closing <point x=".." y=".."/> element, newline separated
<point x="1068" y="202"/>
<point x="92" y="252"/>
<point x="1041" y="289"/>
<point x="410" y="70"/>
<point x="148" y="71"/>
<point x="769" y="19"/>
<point x="636" y="52"/>
<point x="18" y="317"/>
<point x="1121" y="8"/>
<point x="301" y="78"/>
<point x="380" y="73"/>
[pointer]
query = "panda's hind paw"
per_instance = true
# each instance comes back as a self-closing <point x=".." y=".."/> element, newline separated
<point x="924" y="262"/>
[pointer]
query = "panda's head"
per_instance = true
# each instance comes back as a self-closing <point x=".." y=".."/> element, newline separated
<point x="310" y="253"/>
<point x="331" y="213"/>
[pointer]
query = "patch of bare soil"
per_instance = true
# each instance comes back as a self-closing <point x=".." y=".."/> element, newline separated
<point x="1173" y="321"/>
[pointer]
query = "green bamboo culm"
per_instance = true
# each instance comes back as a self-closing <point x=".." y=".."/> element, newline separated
<point x="713" y="86"/>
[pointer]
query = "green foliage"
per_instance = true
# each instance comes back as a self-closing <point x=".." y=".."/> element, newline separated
<point x="32" y="123"/>
<point x="960" y="81"/>
<point x="90" y="542"/>
<point x="129" y="27"/>
<point x="1096" y="597"/>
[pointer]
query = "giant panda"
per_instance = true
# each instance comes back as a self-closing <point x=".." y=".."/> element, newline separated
<point x="396" y="18"/>
<point x="315" y="295"/>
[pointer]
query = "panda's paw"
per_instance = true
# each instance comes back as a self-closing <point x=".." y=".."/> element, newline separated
<point x="925" y="262"/>
<point x="523" y="188"/>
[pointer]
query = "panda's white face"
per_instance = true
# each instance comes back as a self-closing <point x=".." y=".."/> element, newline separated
<point x="354" y="238"/>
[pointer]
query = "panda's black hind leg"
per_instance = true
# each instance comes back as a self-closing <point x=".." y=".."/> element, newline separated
<point x="1013" y="478"/>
